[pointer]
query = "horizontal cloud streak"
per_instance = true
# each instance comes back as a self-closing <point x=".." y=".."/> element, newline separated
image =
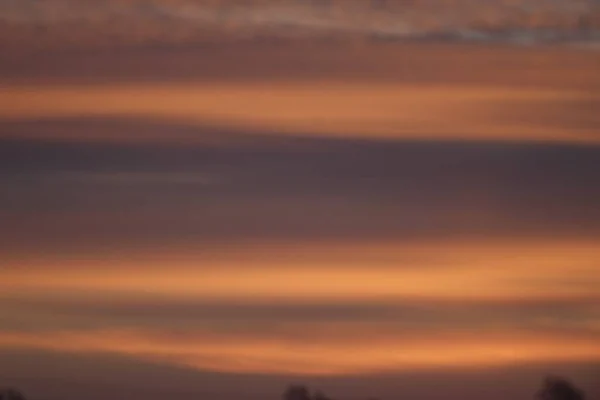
<point x="125" y="195"/>
<point x="462" y="271"/>
<point x="314" y="308"/>
<point x="547" y="68"/>
<point x="368" y="210"/>
<point x="323" y="109"/>
<point x="200" y="21"/>
<point x="322" y="357"/>
<point x="37" y="314"/>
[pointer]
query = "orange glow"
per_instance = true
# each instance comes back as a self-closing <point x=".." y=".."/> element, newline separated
<point x="371" y="217"/>
<point x="498" y="270"/>
<point x="450" y="272"/>
<point x="322" y="356"/>
<point x="322" y="109"/>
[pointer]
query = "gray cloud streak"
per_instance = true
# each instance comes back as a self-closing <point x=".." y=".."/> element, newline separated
<point x="271" y="187"/>
<point x="32" y="313"/>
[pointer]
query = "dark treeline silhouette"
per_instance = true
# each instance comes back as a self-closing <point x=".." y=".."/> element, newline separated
<point x="11" y="394"/>
<point x="556" y="388"/>
<point x="301" y="392"/>
<point x="553" y="388"/>
<point x="296" y="392"/>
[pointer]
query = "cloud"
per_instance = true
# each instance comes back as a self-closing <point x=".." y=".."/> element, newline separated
<point x="239" y="184"/>
<point x="361" y="307"/>
<point x="186" y="21"/>
<point x="468" y="270"/>
<point x="320" y="356"/>
<point x="353" y="318"/>
<point x="385" y="111"/>
<point x="96" y="376"/>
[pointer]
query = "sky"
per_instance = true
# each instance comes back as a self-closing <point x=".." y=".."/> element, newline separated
<point x="372" y="218"/>
<point x="39" y="25"/>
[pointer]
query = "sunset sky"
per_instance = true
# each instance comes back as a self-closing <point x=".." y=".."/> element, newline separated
<point x="220" y="214"/>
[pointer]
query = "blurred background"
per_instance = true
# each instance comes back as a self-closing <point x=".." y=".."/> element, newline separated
<point x="214" y="199"/>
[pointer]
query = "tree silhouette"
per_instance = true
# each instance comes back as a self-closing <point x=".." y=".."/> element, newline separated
<point x="556" y="388"/>
<point x="11" y="394"/>
<point x="321" y="396"/>
<point x="296" y="392"/>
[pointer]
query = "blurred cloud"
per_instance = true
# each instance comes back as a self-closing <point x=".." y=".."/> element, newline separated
<point x="168" y="21"/>
<point x="296" y="319"/>
<point x="469" y="270"/>
<point x="319" y="357"/>
<point x="97" y="376"/>
<point x="121" y="195"/>
<point x="330" y="110"/>
<point x="375" y="211"/>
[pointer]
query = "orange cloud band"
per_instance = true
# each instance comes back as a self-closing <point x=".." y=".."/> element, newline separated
<point x="319" y="356"/>
<point x="369" y="272"/>
<point x="325" y="109"/>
